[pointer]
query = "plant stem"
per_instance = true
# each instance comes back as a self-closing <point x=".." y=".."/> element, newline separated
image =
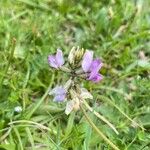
<point x="100" y="117"/>
<point x="37" y="105"/>
<point x="98" y="131"/>
<point x="123" y="113"/>
<point x="8" y="64"/>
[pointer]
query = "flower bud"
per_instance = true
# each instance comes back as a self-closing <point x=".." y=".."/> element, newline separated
<point x="76" y="104"/>
<point x="79" y="54"/>
<point x="75" y="55"/>
<point x="85" y="94"/>
<point x="71" y="57"/>
<point x="73" y="93"/>
<point x="75" y="97"/>
<point x="69" y="107"/>
<point x="68" y="84"/>
<point x="65" y="69"/>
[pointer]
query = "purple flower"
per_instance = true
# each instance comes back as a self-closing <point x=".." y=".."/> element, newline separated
<point x="59" y="93"/>
<point x="56" y="61"/>
<point x="91" y="67"/>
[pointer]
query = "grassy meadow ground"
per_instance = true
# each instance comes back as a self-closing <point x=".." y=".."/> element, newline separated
<point x="118" y="31"/>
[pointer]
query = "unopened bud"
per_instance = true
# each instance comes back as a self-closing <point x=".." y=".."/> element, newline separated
<point x="79" y="54"/>
<point x="68" y="84"/>
<point x="76" y="104"/>
<point x="85" y="94"/>
<point x="65" y="69"/>
<point x="75" y="55"/>
<point x="73" y="94"/>
<point x="71" y="57"/>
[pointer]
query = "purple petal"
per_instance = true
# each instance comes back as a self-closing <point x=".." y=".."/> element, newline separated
<point x="59" y="98"/>
<point x="59" y="58"/>
<point x="52" y="61"/>
<point x="59" y="93"/>
<point x="95" y="77"/>
<point x="87" y="60"/>
<point x="58" y="90"/>
<point x="95" y="65"/>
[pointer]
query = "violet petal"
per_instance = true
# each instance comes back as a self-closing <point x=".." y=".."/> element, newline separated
<point x="59" y="93"/>
<point x="95" y="65"/>
<point x="87" y="60"/>
<point x="95" y="77"/>
<point x="57" y="90"/>
<point x="60" y="90"/>
<point x="52" y="61"/>
<point x="59" y="58"/>
<point x="59" y="98"/>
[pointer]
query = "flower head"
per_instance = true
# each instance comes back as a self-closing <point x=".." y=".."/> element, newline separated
<point x="80" y="64"/>
<point x="56" y="61"/>
<point x="59" y="93"/>
<point x="91" y="67"/>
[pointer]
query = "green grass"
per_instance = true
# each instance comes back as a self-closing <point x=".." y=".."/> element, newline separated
<point x="119" y="33"/>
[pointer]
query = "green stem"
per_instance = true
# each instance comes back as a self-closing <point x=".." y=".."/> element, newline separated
<point x="98" y="131"/>
<point x="8" y="64"/>
<point x="100" y="117"/>
<point x="113" y="104"/>
<point x="38" y="103"/>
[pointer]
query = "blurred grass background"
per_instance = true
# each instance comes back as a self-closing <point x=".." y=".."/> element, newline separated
<point x="119" y="33"/>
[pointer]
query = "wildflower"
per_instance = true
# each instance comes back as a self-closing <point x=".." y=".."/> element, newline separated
<point x="59" y="93"/>
<point x="91" y="67"/>
<point x="18" y="109"/>
<point x="56" y="61"/>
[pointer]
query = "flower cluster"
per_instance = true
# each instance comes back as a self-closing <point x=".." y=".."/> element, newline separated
<point x="81" y="65"/>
